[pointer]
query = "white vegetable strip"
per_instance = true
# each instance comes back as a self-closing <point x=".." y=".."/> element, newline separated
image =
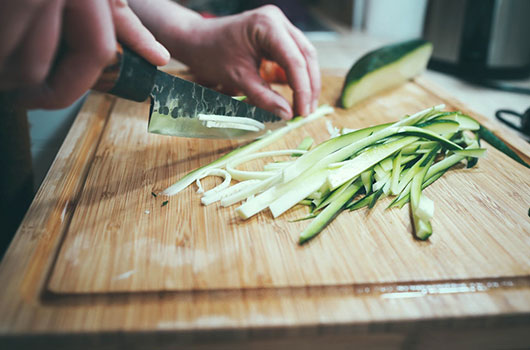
<point x="296" y="193"/>
<point x="247" y="149"/>
<point x="229" y="119"/>
<point x="240" y="186"/>
<point x="225" y="125"/>
<point x="248" y="175"/>
<point x="250" y="190"/>
<point x="365" y="160"/>
<point x="199" y="185"/>
<point x="276" y="165"/>
<point x="333" y="131"/>
<point x="216" y="172"/>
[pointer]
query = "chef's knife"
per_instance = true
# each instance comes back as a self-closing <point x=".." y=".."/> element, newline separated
<point x="175" y="102"/>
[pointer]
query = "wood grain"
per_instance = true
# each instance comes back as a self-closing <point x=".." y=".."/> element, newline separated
<point x="469" y="285"/>
<point x="121" y="239"/>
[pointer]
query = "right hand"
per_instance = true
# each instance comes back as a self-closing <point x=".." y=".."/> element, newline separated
<point x="33" y="30"/>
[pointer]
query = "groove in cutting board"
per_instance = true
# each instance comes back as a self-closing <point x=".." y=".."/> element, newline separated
<point x="122" y="240"/>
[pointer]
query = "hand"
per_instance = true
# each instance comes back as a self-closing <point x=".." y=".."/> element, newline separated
<point x="33" y="30"/>
<point x="228" y="50"/>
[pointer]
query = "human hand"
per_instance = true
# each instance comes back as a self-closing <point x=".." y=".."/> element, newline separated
<point x="33" y="30"/>
<point x="228" y="50"/>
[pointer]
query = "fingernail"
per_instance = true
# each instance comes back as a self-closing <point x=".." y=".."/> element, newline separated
<point x="282" y="113"/>
<point x="315" y="105"/>
<point x="163" y="51"/>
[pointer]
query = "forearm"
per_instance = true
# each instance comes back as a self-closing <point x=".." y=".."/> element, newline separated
<point x="171" y="24"/>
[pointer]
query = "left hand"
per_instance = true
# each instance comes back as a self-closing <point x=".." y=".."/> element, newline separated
<point x="228" y="50"/>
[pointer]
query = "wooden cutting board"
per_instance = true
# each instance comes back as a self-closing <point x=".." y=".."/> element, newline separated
<point x="122" y="239"/>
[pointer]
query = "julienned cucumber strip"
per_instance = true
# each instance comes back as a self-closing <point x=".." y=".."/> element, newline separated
<point x="493" y="140"/>
<point x="342" y="147"/>
<point x="383" y="160"/>
<point x="247" y="149"/>
<point x="422" y="224"/>
<point x="330" y="212"/>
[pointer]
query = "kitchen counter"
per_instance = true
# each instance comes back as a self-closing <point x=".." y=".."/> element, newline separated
<point x="481" y="312"/>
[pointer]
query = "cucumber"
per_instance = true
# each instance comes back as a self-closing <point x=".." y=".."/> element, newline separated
<point x="331" y="211"/>
<point x="384" y="68"/>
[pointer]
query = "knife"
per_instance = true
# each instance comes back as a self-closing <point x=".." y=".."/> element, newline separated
<point x="176" y="103"/>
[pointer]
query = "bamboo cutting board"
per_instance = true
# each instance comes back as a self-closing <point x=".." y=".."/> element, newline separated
<point x="121" y="238"/>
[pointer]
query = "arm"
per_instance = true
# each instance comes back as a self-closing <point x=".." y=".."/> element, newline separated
<point x="228" y="50"/>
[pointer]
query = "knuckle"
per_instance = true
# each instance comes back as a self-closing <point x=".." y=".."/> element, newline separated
<point x="104" y="52"/>
<point x="310" y="51"/>
<point x="270" y="10"/>
<point x="266" y="14"/>
<point x="298" y="63"/>
<point x="32" y="74"/>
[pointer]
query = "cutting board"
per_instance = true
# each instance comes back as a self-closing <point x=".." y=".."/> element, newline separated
<point x="121" y="238"/>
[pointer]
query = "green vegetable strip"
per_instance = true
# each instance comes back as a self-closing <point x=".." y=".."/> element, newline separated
<point x="367" y="179"/>
<point x="342" y="147"/>
<point x="326" y="148"/>
<point x="493" y="140"/>
<point x="330" y="212"/>
<point x="247" y="149"/>
<point x="305" y="145"/>
<point x="422" y="225"/>
<point x="295" y="193"/>
<point x="365" y="160"/>
<point x="333" y="195"/>
<point x="396" y="170"/>
<point x="403" y="199"/>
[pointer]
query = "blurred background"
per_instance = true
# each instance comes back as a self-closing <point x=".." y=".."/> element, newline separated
<point x="481" y="51"/>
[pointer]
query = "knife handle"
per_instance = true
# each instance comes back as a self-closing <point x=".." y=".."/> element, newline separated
<point x="128" y="76"/>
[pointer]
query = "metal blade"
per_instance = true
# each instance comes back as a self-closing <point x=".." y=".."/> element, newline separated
<point x="176" y="104"/>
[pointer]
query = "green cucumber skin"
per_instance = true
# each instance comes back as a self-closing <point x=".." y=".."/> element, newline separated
<point x="379" y="58"/>
<point x="493" y="140"/>
<point x="330" y="212"/>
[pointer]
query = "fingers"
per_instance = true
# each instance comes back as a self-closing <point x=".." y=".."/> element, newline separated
<point x="131" y="32"/>
<point x="259" y="92"/>
<point x="288" y="46"/>
<point x="90" y="44"/>
<point x="311" y="58"/>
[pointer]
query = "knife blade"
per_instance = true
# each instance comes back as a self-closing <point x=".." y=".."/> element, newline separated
<point x="176" y="103"/>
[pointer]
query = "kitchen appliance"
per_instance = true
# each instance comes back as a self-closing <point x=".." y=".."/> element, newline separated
<point x="480" y="39"/>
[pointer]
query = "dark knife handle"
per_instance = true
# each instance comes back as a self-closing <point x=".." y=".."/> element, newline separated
<point x="128" y="76"/>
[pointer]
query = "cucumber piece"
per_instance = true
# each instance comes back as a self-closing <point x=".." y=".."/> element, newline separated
<point x="367" y="179"/>
<point x="330" y="212"/>
<point x="421" y="208"/>
<point x="403" y="198"/>
<point x="396" y="171"/>
<point x="384" y="68"/>
<point x="493" y="140"/>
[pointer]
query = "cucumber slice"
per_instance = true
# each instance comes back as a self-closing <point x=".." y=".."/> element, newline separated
<point x="421" y="207"/>
<point x="493" y="140"/>
<point x="331" y="211"/>
<point x="384" y="68"/>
